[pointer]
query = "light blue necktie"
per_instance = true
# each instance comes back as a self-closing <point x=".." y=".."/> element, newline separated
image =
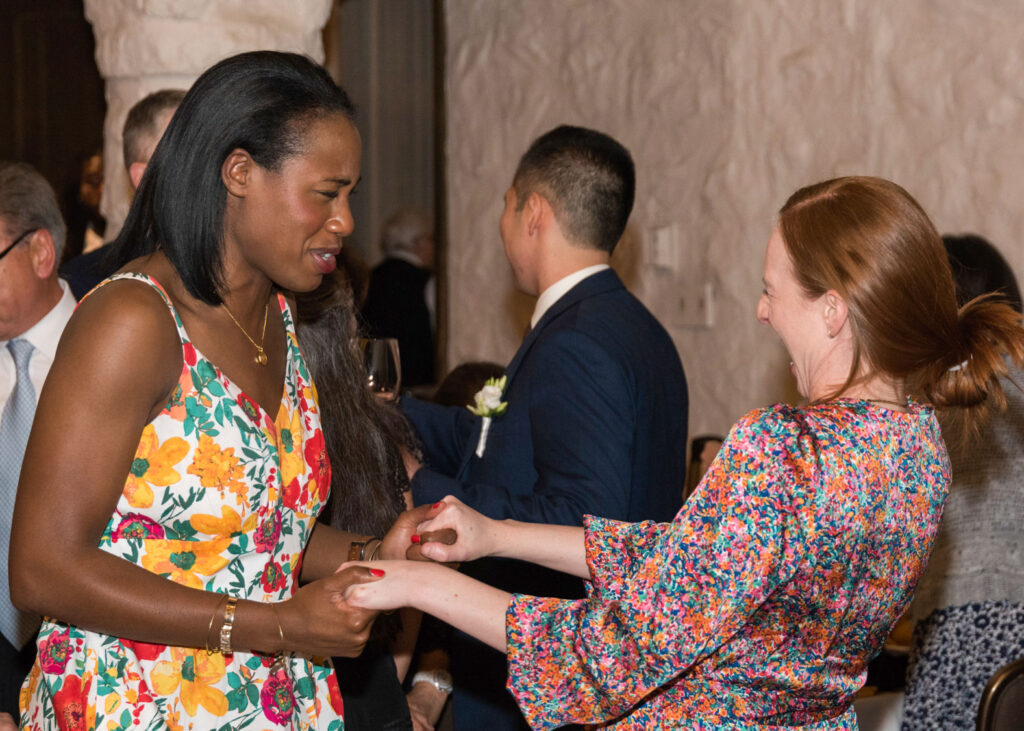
<point x="15" y="424"/>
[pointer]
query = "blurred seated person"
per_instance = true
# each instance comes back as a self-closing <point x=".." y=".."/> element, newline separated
<point x="143" y="128"/>
<point x="969" y="606"/>
<point x="460" y="386"/>
<point x="702" y="453"/>
<point x="400" y="301"/>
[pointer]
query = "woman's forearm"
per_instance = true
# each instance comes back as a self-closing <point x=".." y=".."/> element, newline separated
<point x="558" y="547"/>
<point x="466" y="604"/>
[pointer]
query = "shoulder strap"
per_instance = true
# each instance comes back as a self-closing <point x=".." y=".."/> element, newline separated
<point x="148" y="280"/>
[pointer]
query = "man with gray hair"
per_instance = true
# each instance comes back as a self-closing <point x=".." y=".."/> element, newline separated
<point x="143" y="128"/>
<point x="400" y="301"/>
<point x="35" y="305"/>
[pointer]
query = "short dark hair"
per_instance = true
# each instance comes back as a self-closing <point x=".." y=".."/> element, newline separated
<point x="260" y="101"/>
<point x="979" y="268"/>
<point x="27" y="202"/>
<point x="587" y="177"/>
<point x="140" y="130"/>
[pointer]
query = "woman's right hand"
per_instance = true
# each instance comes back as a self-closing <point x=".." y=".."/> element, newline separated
<point x="476" y="535"/>
<point x="318" y="621"/>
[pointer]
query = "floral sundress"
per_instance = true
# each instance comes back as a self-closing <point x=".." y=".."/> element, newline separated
<point x="221" y="496"/>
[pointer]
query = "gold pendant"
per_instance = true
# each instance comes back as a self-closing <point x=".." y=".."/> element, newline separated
<point x="261" y="357"/>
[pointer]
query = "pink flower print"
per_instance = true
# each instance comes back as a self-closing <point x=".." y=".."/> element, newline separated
<point x="268" y="532"/>
<point x="277" y="698"/>
<point x="135" y="525"/>
<point x="53" y="652"/>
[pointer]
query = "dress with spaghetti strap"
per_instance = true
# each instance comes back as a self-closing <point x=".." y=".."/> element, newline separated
<point x="221" y="496"/>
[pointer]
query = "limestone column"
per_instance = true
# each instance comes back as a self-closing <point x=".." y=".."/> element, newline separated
<point x="146" y="45"/>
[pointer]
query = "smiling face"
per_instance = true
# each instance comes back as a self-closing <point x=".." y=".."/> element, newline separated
<point x="798" y="319"/>
<point x="289" y="224"/>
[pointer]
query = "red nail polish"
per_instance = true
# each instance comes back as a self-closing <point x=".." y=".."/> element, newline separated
<point x="435" y="506"/>
<point x="415" y="539"/>
<point x="377" y="572"/>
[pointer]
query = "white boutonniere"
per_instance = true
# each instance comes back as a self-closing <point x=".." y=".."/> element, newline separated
<point x="488" y="404"/>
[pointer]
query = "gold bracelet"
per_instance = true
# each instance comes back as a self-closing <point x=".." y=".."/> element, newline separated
<point x="357" y="549"/>
<point x="209" y="627"/>
<point x="280" y="631"/>
<point x="376" y="550"/>
<point x="225" y="628"/>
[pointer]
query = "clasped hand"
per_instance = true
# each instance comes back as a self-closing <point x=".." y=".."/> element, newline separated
<point x="455" y="533"/>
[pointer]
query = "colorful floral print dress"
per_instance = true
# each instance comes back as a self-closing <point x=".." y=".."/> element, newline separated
<point x="760" y="605"/>
<point x="221" y="496"/>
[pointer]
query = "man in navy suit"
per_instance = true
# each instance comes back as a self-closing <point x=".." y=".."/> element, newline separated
<point x="596" y="399"/>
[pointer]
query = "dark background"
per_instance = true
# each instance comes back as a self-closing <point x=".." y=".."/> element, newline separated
<point x="51" y="94"/>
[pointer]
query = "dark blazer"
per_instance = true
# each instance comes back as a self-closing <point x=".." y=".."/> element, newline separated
<point x="395" y="308"/>
<point x="85" y="271"/>
<point x="596" y="424"/>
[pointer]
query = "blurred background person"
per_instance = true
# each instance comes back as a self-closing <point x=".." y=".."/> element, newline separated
<point x="401" y="299"/>
<point x="82" y="197"/>
<point x="369" y="490"/>
<point x="702" y="453"/>
<point x="463" y="381"/>
<point x="969" y="605"/>
<point x="34" y="308"/>
<point x="143" y="127"/>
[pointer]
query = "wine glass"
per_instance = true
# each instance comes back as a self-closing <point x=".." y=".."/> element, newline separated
<point x="383" y="368"/>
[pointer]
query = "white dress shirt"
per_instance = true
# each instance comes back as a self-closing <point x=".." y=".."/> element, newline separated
<point x="44" y="336"/>
<point x="556" y="291"/>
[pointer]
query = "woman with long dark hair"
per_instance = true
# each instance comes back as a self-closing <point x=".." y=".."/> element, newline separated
<point x="168" y="501"/>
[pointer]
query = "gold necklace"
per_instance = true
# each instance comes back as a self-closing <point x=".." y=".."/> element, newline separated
<point x="261" y="356"/>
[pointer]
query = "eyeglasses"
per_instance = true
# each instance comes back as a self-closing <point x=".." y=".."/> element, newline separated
<point x="17" y="241"/>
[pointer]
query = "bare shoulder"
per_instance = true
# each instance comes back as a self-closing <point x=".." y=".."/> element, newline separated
<point x="123" y="331"/>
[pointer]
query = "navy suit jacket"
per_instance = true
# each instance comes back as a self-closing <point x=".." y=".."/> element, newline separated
<point x="596" y="424"/>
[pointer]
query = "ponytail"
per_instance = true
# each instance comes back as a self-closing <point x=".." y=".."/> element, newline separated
<point x="965" y="384"/>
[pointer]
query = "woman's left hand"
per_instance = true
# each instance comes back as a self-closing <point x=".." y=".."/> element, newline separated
<point x="394" y="586"/>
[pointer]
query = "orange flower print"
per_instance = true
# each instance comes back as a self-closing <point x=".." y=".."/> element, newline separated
<point x="194" y="675"/>
<point x="216" y="467"/>
<point x="153" y="465"/>
<point x="185" y="561"/>
<point x="229" y="523"/>
<point x="289" y="445"/>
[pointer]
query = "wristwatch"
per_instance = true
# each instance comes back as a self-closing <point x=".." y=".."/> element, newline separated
<point x="440" y="679"/>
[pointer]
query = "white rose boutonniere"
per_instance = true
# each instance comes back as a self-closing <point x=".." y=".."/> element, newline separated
<point x="488" y="404"/>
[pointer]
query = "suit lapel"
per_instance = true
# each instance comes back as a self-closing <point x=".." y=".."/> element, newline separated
<point x="604" y="281"/>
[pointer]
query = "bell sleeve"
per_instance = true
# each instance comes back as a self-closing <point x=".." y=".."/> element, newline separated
<point x="663" y="597"/>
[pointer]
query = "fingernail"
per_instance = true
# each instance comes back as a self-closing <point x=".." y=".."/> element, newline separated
<point x="377" y="572"/>
<point x="415" y="539"/>
<point x="435" y="506"/>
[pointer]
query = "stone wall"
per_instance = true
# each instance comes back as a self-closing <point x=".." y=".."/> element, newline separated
<point x="728" y="107"/>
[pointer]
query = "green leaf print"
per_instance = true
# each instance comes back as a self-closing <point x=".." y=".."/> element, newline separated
<point x="305" y="687"/>
<point x="254" y="695"/>
<point x="237" y="700"/>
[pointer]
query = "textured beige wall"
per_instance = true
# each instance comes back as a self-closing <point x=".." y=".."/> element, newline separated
<point x="728" y="106"/>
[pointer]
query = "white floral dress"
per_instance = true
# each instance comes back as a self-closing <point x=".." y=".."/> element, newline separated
<point x="221" y="496"/>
